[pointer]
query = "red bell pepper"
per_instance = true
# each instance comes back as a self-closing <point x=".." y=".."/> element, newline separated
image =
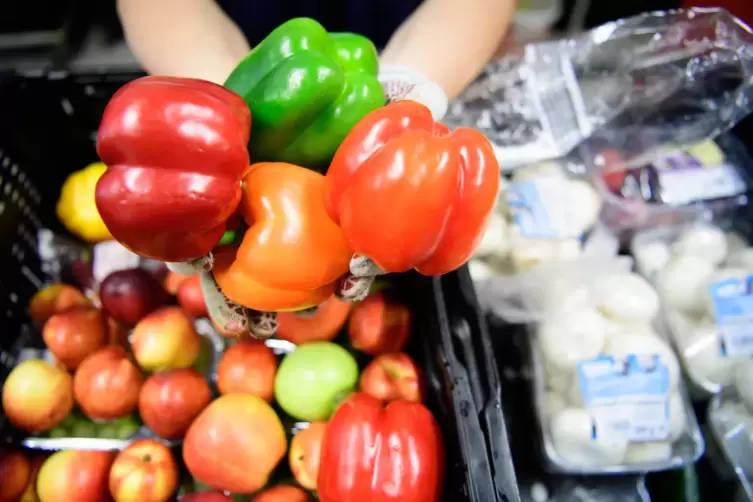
<point x="381" y="454"/>
<point x="176" y="150"/>
<point x="408" y="193"/>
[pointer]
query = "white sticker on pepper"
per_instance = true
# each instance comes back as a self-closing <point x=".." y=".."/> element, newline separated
<point x="733" y="308"/>
<point x="540" y="208"/>
<point x="627" y="397"/>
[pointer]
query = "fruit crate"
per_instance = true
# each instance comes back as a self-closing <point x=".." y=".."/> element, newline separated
<point x="49" y="130"/>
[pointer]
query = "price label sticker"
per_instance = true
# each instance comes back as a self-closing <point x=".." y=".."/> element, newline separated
<point x="627" y="397"/>
<point x="733" y="309"/>
<point x="684" y="183"/>
<point x="541" y="208"/>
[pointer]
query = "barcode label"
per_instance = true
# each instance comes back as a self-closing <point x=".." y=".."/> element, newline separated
<point x="644" y="421"/>
<point x="733" y="308"/>
<point x="626" y="397"/>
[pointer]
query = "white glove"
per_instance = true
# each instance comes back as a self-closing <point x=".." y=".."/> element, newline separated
<point x="402" y="82"/>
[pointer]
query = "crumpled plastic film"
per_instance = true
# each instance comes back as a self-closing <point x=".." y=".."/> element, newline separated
<point x="662" y="77"/>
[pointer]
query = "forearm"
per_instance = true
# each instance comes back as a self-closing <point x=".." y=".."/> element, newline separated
<point x="450" y="41"/>
<point x="186" y="38"/>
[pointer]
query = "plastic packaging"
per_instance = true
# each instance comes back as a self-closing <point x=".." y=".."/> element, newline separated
<point x="607" y="385"/>
<point x="593" y="489"/>
<point x="730" y="419"/>
<point x="668" y="184"/>
<point x="703" y="274"/>
<point x="675" y="77"/>
<point x="544" y="213"/>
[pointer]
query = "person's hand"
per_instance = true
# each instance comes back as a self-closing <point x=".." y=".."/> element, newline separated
<point x="402" y="82"/>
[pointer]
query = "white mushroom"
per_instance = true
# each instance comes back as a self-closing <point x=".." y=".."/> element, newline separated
<point x="572" y="436"/>
<point x="703" y="241"/>
<point x="626" y="298"/>
<point x="682" y="283"/>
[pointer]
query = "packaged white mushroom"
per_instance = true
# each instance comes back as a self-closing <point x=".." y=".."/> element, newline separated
<point x="730" y="419"/>
<point x="704" y="276"/>
<point x="542" y="215"/>
<point x="608" y="386"/>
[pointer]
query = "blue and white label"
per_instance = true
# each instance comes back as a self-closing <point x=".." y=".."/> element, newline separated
<point x="540" y="208"/>
<point x="628" y="397"/>
<point x="733" y="309"/>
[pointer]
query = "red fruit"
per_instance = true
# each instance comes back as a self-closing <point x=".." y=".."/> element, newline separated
<point x="75" y="476"/>
<point x="191" y="297"/>
<point x="165" y="339"/>
<point x="53" y="299"/>
<point x="106" y="385"/>
<point x="74" y="334"/>
<point x="15" y="473"/>
<point x="390" y="377"/>
<point x="169" y="402"/>
<point x="206" y="497"/>
<point x="248" y="367"/>
<point x="144" y="471"/>
<point x="282" y="493"/>
<point x="323" y="325"/>
<point x="37" y="396"/>
<point x="305" y="452"/>
<point x="129" y="295"/>
<point x="235" y="444"/>
<point x="378" y="326"/>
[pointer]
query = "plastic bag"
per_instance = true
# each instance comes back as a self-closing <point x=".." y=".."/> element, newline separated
<point x="607" y="386"/>
<point x="592" y="489"/>
<point x="703" y="272"/>
<point x="544" y="213"/>
<point x="730" y="419"/>
<point x="667" y="185"/>
<point x="664" y="77"/>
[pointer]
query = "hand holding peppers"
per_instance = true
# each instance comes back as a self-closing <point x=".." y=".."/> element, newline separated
<point x="176" y="150"/>
<point x="380" y="454"/>
<point x="306" y="89"/>
<point x="292" y="254"/>
<point x="408" y="193"/>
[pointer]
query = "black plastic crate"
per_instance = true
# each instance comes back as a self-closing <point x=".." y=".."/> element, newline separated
<point x="469" y="335"/>
<point x="48" y="130"/>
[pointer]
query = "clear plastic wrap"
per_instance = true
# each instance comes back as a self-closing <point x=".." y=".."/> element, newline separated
<point x="669" y="184"/>
<point x="607" y="385"/>
<point x="674" y="77"/>
<point x="545" y="213"/>
<point x="730" y="419"/>
<point x="593" y="489"/>
<point x="703" y="273"/>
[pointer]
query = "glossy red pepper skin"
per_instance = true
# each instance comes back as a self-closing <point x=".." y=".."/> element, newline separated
<point x="176" y="150"/>
<point x="408" y="193"/>
<point x="381" y="454"/>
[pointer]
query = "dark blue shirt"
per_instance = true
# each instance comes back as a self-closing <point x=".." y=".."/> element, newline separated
<point x="375" y="19"/>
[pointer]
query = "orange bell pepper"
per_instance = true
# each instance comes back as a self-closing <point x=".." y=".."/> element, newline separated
<point x="292" y="254"/>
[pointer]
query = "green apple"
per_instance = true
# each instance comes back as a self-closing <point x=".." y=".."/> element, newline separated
<point x="312" y="380"/>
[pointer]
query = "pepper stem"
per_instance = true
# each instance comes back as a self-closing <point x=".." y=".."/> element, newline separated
<point x="353" y="288"/>
<point x="363" y="266"/>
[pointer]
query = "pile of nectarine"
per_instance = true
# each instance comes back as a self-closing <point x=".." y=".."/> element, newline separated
<point x="132" y="345"/>
<point x="128" y="355"/>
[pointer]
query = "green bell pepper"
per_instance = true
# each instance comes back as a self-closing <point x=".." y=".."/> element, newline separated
<point x="306" y="89"/>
